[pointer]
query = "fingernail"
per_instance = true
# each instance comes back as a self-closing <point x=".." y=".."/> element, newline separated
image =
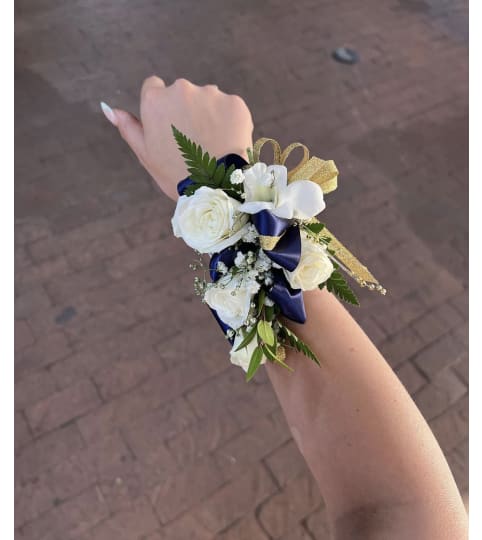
<point x="109" y="113"/>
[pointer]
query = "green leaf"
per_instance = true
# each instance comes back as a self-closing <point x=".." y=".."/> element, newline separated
<point x="201" y="167"/>
<point x="219" y="174"/>
<point x="226" y="182"/>
<point x="265" y="332"/>
<point x="336" y="284"/>
<point x="272" y="356"/>
<point x="269" y="353"/>
<point x="230" y="170"/>
<point x="254" y="363"/>
<point x="308" y="352"/>
<point x="190" y="190"/>
<point x="299" y="345"/>
<point x="211" y="167"/>
<point x="269" y="313"/>
<point x="233" y="194"/>
<point x="261" y="297"/>
<point x="198" y="179"/>
<point x="315" y="228"/>
<point x="248" y="338"/>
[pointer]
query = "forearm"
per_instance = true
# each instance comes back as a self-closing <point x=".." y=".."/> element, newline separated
<point x="361" y="434"/>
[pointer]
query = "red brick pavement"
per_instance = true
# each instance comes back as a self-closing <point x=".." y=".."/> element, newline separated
<point x="127" y="428"/>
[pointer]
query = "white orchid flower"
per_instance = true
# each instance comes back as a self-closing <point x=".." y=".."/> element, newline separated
<point x="267" y="188"/>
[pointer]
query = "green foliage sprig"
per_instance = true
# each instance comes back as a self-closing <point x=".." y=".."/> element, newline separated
<point x="203" y="169"/>
<point x="298" y="344"/>
<point x="315" y="227"/>
<point x="337" y="284"/>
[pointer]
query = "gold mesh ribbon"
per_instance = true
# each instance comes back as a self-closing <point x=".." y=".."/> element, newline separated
<point x="325" y="174"/>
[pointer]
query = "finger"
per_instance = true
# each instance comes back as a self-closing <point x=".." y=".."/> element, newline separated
<point x="182" y="84"/>
<point x="131" y="131"/>
<point x="151" y="84"/>
<point x="151" y="91"/>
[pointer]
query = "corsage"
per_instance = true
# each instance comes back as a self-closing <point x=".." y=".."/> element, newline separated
<point x="258" y="224"/>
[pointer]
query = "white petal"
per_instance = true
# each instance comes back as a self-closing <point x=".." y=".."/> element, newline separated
<point x="254" y="207"/>
<point x="219" y="246"/>
<point x="255" y="186"/>
<point x="305" y="197"/>
<point x="281" y="176"/>
<point x="175" y="218"/>
<point x="257" y="170"/>
<point x="285" y="210"/>
<point x="242" y="358"/>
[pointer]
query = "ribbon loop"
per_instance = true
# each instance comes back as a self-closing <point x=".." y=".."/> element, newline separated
<point x="286" y="153"/>
<point x="258" y="145"/>
<point x="290" y="301"/>
<point x="270" y="228"/>
<point x="287" y="252"/>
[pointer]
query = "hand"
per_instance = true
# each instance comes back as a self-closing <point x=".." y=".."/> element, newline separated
<point x="219" y="122"/>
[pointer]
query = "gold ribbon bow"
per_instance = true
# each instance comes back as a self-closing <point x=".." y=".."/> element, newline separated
<point x="325" y="174"/>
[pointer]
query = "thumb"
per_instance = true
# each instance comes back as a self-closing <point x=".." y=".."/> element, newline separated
<point x="129" y="128"/>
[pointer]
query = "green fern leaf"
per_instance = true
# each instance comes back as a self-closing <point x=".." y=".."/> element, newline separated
<point x="203" y="169"/>
<point x="299" y="345"/>
<point x="336" y="284"/>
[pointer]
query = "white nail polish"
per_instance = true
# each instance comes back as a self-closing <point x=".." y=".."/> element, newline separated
<point x="109" y="113"/>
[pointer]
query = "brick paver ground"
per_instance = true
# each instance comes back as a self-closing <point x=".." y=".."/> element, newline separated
<point x="127" y="428"/>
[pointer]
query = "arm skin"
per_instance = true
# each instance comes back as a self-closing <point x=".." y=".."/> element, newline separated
<point x="378" y="465"/>
<point x="380" y="469"/>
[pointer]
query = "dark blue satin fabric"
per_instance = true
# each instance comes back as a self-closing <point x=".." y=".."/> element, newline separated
<point x="228" y="160"/>
<point x="183" y="184"/>
<point x="287" y="251"/>
<point x="226" y="256"/>
<point x="267" y="224"/>
<point x="224" y="326"/>
<point x="290" y="301"/>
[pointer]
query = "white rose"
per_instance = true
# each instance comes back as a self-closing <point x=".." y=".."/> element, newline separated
<point x="315" y="266"/>
<point x="231" y="298"/>
<point x="242" y="357"/>
<point x="209" y="220"/>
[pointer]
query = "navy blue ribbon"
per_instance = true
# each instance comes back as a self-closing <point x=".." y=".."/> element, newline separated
<point x="287" y="251"/>
<point x="267" y="224"/>
<point x="224" y="327"/>
<point x="226" y="256"/>
<point x="287" y="254"/>
<point x="290" y="301"/>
